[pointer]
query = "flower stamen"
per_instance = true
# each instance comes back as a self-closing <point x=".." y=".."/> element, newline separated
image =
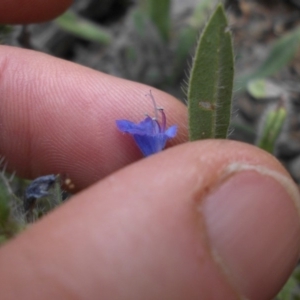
<point x="154" y="105"/>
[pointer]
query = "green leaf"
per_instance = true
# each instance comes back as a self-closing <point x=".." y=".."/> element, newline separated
<point x="83" y="28"/>
<point x="211" y="81"/>
<point x="159" y="12"/>
<point x="271" y="127"/>
<point x="282" y="52"/>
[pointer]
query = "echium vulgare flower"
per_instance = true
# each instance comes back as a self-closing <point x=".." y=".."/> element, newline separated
<point x="150" y="135"/>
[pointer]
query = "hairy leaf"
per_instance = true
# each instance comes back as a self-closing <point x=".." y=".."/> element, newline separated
<point x="211" y="81"/>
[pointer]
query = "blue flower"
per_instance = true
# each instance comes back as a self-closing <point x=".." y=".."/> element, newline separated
<point x="150" y="135"/>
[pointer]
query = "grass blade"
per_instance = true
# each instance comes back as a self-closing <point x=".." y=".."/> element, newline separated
<point x="159" y="13"/>
<point x="83" y="28"/>
<point x="282" y="52"/>
<point x="271" y="127"/>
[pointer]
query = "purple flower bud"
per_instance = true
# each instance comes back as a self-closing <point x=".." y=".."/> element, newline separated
<point x="38" y="188"/>
<point x="150" y="135"/>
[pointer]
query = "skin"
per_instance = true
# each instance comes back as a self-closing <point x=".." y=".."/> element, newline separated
<point x="203" y="220"/>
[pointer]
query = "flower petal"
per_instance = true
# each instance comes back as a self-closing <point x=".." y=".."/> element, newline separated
<point x="149" y="126"/>
<point x="150" y="144"/>
<point x="171" y="131"/>
<point x="144" y="127"/>
<point x="129" y="127"/>
<point x="150" y="135"/>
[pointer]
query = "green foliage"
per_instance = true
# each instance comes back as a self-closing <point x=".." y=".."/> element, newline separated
<point x="159" y="12"/>
<point x="187" y="37"/>
<point x="282" y="52"/>
<point x="271" y="126"/>
<point x="13" y="217"/>
<point x="11" y="222"/>
<point x="139" y="20"/>
<point x="200" y="13"/>
<point x="264" y="89"/>
<point x="291" y="290"/>
<point x="83" y="28"/>
<point x="4" y="207"/>
<point x="4" y="30"/>
<point x="211" y="81"/>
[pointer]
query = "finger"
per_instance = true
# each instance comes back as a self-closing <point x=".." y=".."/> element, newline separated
<point x="205" y="220"/>
<point x="59" y="117"/>
<point x="30" y="11"/>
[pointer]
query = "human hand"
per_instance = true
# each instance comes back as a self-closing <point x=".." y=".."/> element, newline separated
<point x="203" y="220"/>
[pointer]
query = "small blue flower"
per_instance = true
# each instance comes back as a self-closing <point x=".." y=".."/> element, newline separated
<point x="150" y="135"/>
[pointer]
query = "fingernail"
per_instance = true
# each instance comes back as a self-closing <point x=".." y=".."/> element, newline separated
<point x="253" y="228"/>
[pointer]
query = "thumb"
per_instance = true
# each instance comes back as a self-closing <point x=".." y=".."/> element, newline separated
<point x="203" y="220"/>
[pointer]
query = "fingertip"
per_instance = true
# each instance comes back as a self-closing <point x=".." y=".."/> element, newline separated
<point x="59" y="117"/>
<point x="31" y="11"/>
